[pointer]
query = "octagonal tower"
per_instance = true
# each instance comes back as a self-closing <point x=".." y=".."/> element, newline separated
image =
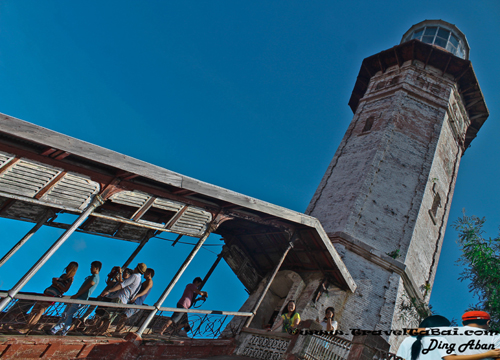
<point x="385" y="197"/>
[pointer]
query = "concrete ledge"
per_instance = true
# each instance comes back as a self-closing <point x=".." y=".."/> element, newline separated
<point x="381" y="259"/>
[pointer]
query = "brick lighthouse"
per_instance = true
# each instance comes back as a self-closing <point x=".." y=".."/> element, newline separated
<point x="386" y="195"/>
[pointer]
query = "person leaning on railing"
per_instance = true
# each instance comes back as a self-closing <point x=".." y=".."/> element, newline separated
<point x="290" y="319"/>
<point x="59" y="286"/>
<point x="138" y="299"/>
<point x="89" y="285"/>
<point x="101" y="320"/>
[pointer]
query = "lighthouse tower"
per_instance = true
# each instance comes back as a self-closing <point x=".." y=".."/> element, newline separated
<point x="385" y="197"/>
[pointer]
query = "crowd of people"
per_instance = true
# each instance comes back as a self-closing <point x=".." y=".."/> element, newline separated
<point x="123" y="286"/>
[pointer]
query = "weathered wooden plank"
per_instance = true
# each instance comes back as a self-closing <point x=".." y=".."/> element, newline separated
<point x="128" y="203"/>
<point x="71" y="199"/>
<point x="242" y="200"/>
<point x="77" y="178"/>
<point x="189" y="225"/>
<point x="73" y="181"/>
<point x="195" y="218"/>
<point x="63" y="187"/>
<point x="152" y="223"/>
<point x="42" y="168"/>
<point x="30" y="173"/>
<point x="4" y="158"/>
<point x="28" y="166"/>
<point x="24" y="171"/>
<point x="55" y="201"/>
<point x="186" y="226"/>
<point x="86" y="150"/>
<point x="17" y="190"/>
<point x="20" y="184"/>
<point x="23" y="182"/>
<point x="60" y="191"/>
<point x="130" y="198"/>
<point x="193" y="210"/>
<point x="168" y="205"/>
<point x="80" y="184"/>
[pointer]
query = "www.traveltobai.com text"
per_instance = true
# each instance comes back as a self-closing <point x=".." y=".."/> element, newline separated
<point x="401" y="332"/>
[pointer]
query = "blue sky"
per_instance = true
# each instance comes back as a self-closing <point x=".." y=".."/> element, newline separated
<point x="251" y="96"/>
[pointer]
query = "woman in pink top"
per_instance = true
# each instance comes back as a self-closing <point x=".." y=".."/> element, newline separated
<point x="185" y="302"/>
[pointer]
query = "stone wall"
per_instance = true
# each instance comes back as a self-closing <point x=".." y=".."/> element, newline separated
<point x="402" y="148"/>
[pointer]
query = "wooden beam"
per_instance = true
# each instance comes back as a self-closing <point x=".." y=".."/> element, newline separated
<point x="428" y="58"/>
<point x="62" y="155"/>
<point x="50" y="185"/>
<point x="176" y="217"/>
<point x="477" y="116"/>
<point x="6" y="205"/>
<point x="9" y="164"/>
<point x="380" y="63"/>
<point x="397" y="57"/>
<point x="463" y="73"/>
<point x="473" y="103"/>
<point x="48" y="151"/>
<point x="142" y="210"/>
<point x="366" y="68"/>
<point x="447" y="64"/>
<point x="473" y="86"/>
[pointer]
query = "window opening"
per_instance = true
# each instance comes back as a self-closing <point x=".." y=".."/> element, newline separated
<point x="441" y="37"/>
<point x="435" y="205"/>
<point x="368" y="124"/>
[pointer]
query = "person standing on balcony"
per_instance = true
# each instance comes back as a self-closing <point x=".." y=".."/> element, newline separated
<point x="185" y="302"/>
<point x="59" y="286"/>
<point x="100" y="322"/>
<point x="290" y="319"/>
<point x="124" y="291"/>
<point x="84" y="293"/>
<point x="328" y="323"/>
<point x="138" y="299"/>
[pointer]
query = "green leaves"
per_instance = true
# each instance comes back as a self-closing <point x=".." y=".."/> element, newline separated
<point x="481" y="265"/>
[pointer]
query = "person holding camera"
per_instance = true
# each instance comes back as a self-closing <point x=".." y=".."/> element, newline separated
<point x="185" y="302"/>
<point x="328" y="323"/>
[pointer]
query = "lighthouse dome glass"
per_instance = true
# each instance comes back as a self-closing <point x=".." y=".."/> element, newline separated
<point x="439" y="33"/>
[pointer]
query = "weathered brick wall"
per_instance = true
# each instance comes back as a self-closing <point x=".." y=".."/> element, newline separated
<point x="382" y="182"/>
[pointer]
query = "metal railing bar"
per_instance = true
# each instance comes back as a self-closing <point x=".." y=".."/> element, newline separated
<point x="67" y="300"/>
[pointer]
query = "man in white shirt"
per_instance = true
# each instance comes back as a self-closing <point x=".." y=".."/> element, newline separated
<point x="475" y="337"/>
<point x="124" y="291"/>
